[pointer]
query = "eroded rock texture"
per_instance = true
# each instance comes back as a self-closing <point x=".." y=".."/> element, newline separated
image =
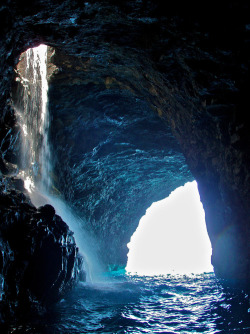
<point x="113" y="156"/>
<point x="120" y="64"/>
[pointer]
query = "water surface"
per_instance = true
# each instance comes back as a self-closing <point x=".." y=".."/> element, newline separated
<point x="140" y="304"/>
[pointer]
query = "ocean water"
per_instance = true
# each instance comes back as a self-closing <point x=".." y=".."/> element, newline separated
<point x="140" y="304"/>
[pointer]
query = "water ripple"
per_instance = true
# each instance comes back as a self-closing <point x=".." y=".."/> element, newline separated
<point x="163" y="304"/>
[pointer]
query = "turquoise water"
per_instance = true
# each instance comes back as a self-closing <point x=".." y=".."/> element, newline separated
<point x="159" y="304"/>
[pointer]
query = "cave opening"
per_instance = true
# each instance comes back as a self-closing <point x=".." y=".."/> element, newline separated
<point x="172" y="238"/>
<point x="113" y="149"/>
<point x="120" y="66"/>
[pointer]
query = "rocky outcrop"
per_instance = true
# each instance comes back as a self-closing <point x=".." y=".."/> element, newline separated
<point x="188" y="65"/>
<point x="39" y="259"/>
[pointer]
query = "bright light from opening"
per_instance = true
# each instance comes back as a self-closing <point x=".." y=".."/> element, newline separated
<point x="172" y="237"/>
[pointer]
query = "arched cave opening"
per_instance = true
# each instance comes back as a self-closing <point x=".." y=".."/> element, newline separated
<point x="124" y="66"/>
<point x="108" y="152"/>
<point x="114" y="149"/>
<point x="171" y="237"/>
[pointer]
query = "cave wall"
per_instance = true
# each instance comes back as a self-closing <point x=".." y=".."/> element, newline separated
<point x="190" y="65"/>
<point x="113" y="156"/>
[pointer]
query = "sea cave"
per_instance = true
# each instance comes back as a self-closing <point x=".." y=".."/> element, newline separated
<point x="106" y="108"/>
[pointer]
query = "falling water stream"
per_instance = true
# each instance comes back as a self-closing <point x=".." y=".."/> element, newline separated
<point x="33" y="119"/>
<point x="36" y="169"/>
<point x="123" y="303"/>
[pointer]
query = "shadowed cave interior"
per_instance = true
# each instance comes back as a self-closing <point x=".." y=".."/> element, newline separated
<point x="140" y="102"/>
<point x="112" y="157"/>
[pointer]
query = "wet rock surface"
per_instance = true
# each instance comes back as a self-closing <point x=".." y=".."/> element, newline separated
<point x="188" y="63"/>
<point x="39" y="259"/>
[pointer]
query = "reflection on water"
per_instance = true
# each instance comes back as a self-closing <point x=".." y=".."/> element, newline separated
<point x="163" y="304"/>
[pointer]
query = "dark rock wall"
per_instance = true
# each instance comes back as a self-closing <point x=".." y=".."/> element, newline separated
<point x="39" y="259"/>
<point x="189" y="64"/>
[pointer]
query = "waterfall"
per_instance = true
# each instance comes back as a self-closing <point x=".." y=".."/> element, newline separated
<point x="33" y="119"/>
<point x="36" y="169"/>
<point x="40" y="58"/>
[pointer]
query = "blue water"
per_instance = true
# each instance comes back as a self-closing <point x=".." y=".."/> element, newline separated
<point x="133" y="304"/>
